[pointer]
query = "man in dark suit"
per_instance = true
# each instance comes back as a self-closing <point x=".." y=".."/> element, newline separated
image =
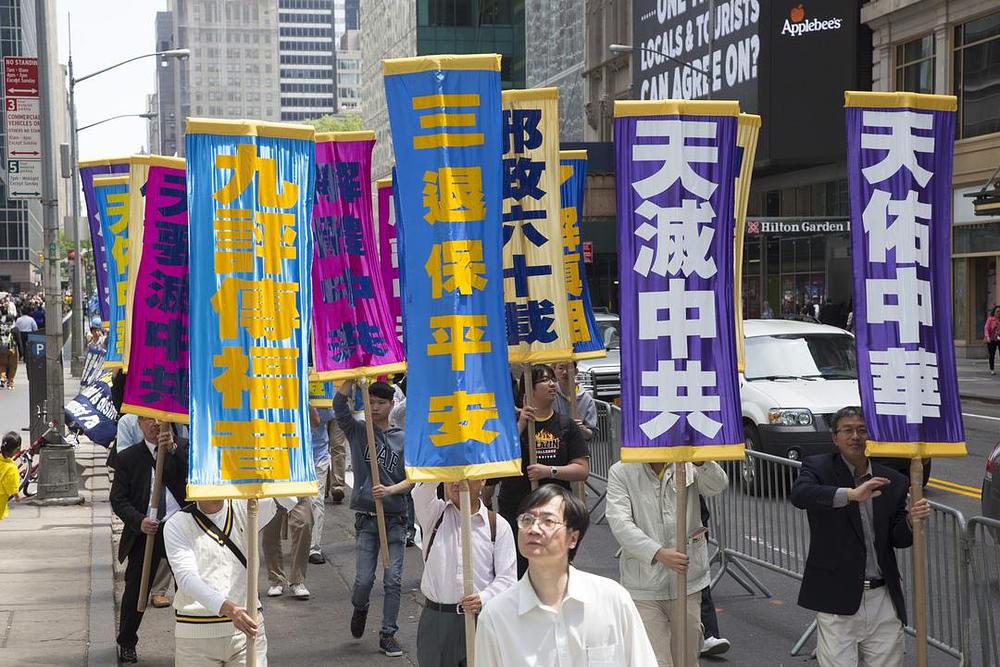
<point x="857" y="515"/>
<point x="130" y="500"/>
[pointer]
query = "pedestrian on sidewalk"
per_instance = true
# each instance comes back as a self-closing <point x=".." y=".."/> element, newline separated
<point x="300" y="524"/>
<point x="858" y="517"/>
<point x="991" y="334"/>
<point x="642" y="516"/>
<point x="24" y="325"/>
<point x="10" y="478"/>
<point x="338" y="461"/>
<point x="441" y="632"/>
<point x="321" y="418"/>
<point x="389" y="454"/>
<point x="130" y="500"/>
<point x="206" y="544"/>
<point x="556" y="614"/>
<point x="8" y="355"/>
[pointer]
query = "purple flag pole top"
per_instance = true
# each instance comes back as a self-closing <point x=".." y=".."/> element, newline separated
<point x="899" y="154"/>
<point x="675" y="166"/>
<point x="353" y="331"/>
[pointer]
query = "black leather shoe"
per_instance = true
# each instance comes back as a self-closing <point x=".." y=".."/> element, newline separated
<point x="317" y="558"/>
<point x="126" y="654"/>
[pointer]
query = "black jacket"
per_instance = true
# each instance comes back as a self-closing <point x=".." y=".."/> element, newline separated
<point x="131" y="488"/>
<point x="833" y="581"/>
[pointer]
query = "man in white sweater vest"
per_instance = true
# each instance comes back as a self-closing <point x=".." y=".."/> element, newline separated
<point x="206" y="545"/>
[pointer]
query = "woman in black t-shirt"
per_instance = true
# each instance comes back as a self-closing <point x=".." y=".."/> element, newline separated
<point x="561" y="451"/>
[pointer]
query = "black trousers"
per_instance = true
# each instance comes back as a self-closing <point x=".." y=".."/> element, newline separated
<point x="991" y="350"/>
<point x="130" y="619"/>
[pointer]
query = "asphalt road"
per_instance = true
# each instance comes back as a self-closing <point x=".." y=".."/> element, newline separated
<point x="958" y="482"/>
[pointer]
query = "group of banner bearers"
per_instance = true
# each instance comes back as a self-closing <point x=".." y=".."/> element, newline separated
<point x="233" y="279"/>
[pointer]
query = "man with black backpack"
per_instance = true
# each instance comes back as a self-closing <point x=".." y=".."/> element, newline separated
<point x="441" y="633"/>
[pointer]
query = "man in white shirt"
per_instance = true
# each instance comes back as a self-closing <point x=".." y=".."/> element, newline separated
<point x="25" y="324"/>
<point x="556" y="615"/>
<point x="441" y="633"/>
<point x="206" y="544"/>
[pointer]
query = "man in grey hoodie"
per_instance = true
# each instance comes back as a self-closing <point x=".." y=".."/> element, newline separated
<point x="389" y="452"/>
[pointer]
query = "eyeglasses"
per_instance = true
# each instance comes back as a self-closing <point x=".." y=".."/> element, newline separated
<point x="526" y="521"/>
<point x="851" y="432"/>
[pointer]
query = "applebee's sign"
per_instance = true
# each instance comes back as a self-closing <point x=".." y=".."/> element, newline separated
<point x="797" y="24"/>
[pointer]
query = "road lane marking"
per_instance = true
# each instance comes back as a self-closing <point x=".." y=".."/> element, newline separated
<point x="970" y="414"/>
<point x="952" y="487"/>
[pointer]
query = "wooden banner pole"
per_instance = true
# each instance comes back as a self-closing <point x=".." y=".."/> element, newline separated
<point x="529" y="390"/>
<point x="680" y="611"/>
<point x="919" y="564"/>
<point x="579" y="488"/>
<point x="154" y="508"/>
<point x="470" y="619"/>
<point x="253" y="558"/>
<point x="383" y="539"/>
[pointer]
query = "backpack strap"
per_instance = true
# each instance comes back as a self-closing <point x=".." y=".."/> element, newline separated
<point x="209" y="527"/>
<point x="492" y="517"/>
<point x="434" y="530"/>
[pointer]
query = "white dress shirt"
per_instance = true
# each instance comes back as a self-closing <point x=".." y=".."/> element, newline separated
<point x="494" y="564"/>
<point x="597" y="625"/>
<point x="171" y="502"/>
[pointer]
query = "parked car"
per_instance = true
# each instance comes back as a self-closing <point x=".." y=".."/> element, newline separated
<point x="991" y="490"/>
<point x="797" y="375"/>
<point x="603" y="376"/>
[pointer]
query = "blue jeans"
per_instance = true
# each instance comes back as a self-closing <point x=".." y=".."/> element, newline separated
<point x="366" y="528"/>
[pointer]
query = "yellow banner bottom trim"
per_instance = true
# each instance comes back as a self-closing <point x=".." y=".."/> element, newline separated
<point x="321" y="402"/>
<point x="539" y="356"/>
<point x="226" y="491"/>
<point x="734" y="452"/>
<point x="594" y="354"/>
<point x="361" y="371"/>
<point x="162" y="415"/>
<point x="913" y="450"/>
<point x="510" y="468"/>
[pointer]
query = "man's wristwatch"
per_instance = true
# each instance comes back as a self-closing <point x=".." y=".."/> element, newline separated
<point x="554" y="471"/>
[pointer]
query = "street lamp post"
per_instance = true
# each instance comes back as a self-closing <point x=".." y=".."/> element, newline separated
<point x="628" y="48"/>
<point x="76" y="364"/>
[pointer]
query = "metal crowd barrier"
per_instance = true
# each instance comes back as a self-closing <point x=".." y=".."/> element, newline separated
<point x="983" y="540"/>
<point x="604" y="451"/>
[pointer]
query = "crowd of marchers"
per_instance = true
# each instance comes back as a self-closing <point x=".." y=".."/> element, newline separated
<point x="532" y="607"/>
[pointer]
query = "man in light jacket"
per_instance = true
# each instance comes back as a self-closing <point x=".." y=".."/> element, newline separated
<point x="642" y="516"/>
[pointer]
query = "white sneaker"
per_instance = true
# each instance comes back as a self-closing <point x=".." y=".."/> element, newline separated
<point x="300" y="591"/>
<point x="714" y="646"/>
<point x="275" y="591"/>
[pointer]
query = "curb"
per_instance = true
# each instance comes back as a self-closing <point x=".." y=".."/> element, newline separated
<point x="981" y="398"/>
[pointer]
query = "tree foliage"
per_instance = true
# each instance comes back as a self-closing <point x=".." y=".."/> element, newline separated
<point x="345" y="123"/>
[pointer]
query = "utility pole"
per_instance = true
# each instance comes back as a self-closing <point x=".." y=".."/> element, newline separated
<point x="77" y="360"/>
<point x="50" y="220"/>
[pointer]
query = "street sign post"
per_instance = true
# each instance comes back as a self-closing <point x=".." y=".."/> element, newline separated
<point x="23" y="128"/>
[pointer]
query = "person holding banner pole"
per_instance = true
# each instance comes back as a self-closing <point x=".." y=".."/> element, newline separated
<point x="562" y="453"/>
<point x="643" y="517"/>
<point x="858" y="517"/>
<point x="381" y="445"/>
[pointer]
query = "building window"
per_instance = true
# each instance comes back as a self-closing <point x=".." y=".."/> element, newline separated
<point x="915" y="65"/>
<point x="977" y="76"/>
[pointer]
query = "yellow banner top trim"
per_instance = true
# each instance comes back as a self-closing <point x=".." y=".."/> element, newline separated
<point x="158" y="161"/>
<point x="383" y="183"/>
<point x="676" y="107"/>
<point x="250" y="128"/>
<point x="859" y="98"/>
<point x="359" y="135"/>
<point x="110" y="179"/>
<point x="103" y="162"/>
<point x="749" y="119"/>
<point x="573" y="155"/>
<point x="488" y="62"/>
<point x="529" y="94"/>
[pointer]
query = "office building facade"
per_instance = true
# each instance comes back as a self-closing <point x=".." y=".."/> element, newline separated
<point x="307" y="39"/>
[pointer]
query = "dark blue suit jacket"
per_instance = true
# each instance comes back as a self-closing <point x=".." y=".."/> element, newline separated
<point x="833" y="581"/>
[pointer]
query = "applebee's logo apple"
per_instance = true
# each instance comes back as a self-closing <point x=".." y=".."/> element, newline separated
<point x="797" y="25"/>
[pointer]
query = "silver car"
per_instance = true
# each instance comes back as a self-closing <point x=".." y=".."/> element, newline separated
<point x="603" y="376"/>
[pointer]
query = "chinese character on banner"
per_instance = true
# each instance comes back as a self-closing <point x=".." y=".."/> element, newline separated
<point x="157" y="381"/>
<point x="112" y="194"/>
<point x="250" y="192"/>
<point x="446" y="122"/>
<point x="537" y="308"/>
<point x="675" y="198"/>
<point x="388" y="253"/>
<point x="900" y="148"/>
<point x="87" y="171"/>
<point x="352" y="323"/>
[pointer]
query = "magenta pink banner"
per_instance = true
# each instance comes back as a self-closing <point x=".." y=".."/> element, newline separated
<point x="388" y="253"/>
<point x="353" y="328"/>
<point x="157" y="380"/>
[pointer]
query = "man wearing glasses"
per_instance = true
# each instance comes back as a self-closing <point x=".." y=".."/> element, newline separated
<point x="557" y="615"/>
<point x="858" y="515"/>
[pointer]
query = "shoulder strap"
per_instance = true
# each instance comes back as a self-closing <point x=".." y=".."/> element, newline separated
<point x="209" y="527"/>
<point x="492" y="517"/>
<point x="434" y="531"/>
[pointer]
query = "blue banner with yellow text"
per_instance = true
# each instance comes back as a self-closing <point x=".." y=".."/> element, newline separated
<point x="250" y="195"/>
<point x="444" y="112"/>
<point x="111" y="194"/>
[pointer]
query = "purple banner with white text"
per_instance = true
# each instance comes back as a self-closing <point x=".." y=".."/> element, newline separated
<point x="388" y="252"/>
